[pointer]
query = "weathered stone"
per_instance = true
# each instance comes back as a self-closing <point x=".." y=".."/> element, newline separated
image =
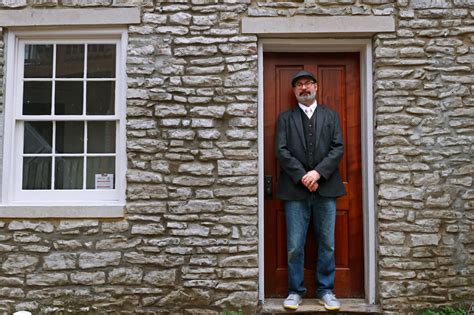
<point x="160" y="278"/>
<point x="393" y="238"/>
<point x="170" y="110"/>
<point x="125" y="276"/>
<point x="208" y="111"/>
<point x="46" y="279"/>
<point x="146" y="207"/>
<point x="138" y="176"/>
<point x="237" y="299"/>
<point x="19" y="264"/>
<point x="195" y="51"/>
<point x="88" y="278"/>
<point x="11" y="282"/>
<point x="400" y="192"/>
<point x="443" y="201"/>
<point x="60" y="261"/>
<point x="191" y="230"/>
<point x="147" y="145"/>
<point x="424" y="239"/>
<point x="13" y="3"/>
<point x="160" y="260"/>
<point x="115" y="227"/>
<point x="209" y="134"/>
<point x="241" y="78"/>
<point x="119" y="243"/>
<point x="86" y="3"/>
<point x="233" y="167"/>
<point x="242" y="109"/>
<point x="11" y="293"/>
<point x="196" y="168"/>
<point x="38" y="226"/>
<point x="180" y="18"/>
<point x="146" y="192"/>
<point x="154" y="18"/>
<point x="195" y="206"/>
<point x="97" y="260"/>
<point x="148" y="229"/>
<point x="394" y="251"/>
<point x="202" y="80"/>
<point x="174" y="30"/>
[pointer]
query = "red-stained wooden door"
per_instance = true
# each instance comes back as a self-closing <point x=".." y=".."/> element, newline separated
<point x="338" y="88"/>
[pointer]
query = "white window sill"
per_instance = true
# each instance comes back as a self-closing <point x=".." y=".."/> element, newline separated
<point x="63" y="211"/>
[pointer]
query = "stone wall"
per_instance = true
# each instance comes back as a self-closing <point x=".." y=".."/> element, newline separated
<point x="424" y="96"/>
<point x="188" y="243"/>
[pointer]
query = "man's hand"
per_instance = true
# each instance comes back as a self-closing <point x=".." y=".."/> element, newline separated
<point x="310" y="180"/>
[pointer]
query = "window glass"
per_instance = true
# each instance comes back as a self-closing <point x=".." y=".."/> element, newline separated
<point x="38" y="137"/>
<point x="38" y="61"/>
<point x="101" y="60"/>
<point x="60" y="152"/>
<point x="100" y="171"/>
<point x="70" y="137"/>
<point x="37" y="98"/>
<point x="100" y="98"/>
<point x="70" y="61"/>
<point x="69" y="173"/>
<point x="69" y="98"/>
<point x="37" y="173"/>
<point x="101" y="137"/>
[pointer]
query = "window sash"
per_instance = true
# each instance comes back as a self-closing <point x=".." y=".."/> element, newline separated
<point x="12" y="192"/>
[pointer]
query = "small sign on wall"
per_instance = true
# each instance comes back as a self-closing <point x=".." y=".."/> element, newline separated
<point x="104" y="181"/>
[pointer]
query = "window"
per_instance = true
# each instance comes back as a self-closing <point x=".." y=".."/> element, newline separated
<point x="64" y="121"/>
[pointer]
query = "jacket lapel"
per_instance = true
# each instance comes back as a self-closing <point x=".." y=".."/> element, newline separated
<point x="296" y="118"/>
<point x="320" y="118"/>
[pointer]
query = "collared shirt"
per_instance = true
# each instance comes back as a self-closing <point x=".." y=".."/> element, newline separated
<point x="309" y="110"/>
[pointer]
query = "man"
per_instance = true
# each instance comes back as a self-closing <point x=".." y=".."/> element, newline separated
<point x="309" y="147"/>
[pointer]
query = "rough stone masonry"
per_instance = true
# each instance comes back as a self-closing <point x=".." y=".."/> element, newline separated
<point x="188" y="242"/>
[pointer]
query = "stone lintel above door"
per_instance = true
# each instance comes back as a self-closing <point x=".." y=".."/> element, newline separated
<point x="334" y="26"/>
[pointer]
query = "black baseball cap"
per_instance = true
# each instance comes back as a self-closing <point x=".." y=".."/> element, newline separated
<point x="302" y="74"/>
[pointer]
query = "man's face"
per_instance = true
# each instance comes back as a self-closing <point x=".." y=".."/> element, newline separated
<point x="305" y="90"/>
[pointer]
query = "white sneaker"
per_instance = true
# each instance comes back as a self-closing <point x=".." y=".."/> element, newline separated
<point x="292" y="301"/>
<point x="330" y="302"/>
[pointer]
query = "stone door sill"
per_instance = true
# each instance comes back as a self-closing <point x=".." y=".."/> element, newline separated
<point x="348" y="306"/>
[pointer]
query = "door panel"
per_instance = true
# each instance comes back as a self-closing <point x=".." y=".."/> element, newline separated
<point x="338" y="88"/>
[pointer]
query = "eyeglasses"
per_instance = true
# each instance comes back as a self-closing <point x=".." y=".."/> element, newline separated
<point x="299" y="85"/>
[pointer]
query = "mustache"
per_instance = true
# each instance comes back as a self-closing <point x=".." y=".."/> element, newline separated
<point x="306" y="98"/>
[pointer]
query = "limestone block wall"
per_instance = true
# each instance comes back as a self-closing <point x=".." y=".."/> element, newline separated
<point x="424" y="155"/>
<point x="188" y="242"/>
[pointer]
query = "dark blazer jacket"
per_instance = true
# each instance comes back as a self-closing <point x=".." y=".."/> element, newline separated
<point x="290" y="149"/>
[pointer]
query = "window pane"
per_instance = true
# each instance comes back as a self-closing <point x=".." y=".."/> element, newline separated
<point x="38" y="137"/>
<point x="101" y="137"/>
<point x="38" y="61"/>
<point x="37" y="98"/>
<point x="70" y="61"/>
<point x="70" y="137"/>
<point x="36" y="173"/>
<point x="100" y="98"/>
<point x="69" y="173"/>
<point x="100" y="173"/>
<point x="68" y="98"/>
<point x="101" y="61"/>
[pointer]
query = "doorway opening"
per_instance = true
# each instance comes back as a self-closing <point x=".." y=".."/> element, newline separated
<point x="340" y="66"/>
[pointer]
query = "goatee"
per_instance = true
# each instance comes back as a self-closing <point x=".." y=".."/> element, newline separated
<point x="306" y="98"/>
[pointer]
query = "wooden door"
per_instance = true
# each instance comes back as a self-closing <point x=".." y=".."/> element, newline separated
<point x="338" y="88"/>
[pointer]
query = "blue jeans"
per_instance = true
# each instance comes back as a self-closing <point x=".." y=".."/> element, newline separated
<point x="298" y="215"/>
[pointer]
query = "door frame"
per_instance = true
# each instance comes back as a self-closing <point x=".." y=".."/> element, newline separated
<point x="364" y="47"/>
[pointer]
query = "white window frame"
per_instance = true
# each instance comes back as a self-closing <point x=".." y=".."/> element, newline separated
<point x="16" y="202"/>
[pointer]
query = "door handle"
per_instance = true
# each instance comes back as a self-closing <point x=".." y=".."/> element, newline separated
<point x="267" y="185"/>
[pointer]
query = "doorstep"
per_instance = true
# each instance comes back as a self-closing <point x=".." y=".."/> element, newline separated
<point x="309" y="306"/>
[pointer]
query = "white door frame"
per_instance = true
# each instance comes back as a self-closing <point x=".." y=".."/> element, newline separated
<point x="364" y="47"/>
